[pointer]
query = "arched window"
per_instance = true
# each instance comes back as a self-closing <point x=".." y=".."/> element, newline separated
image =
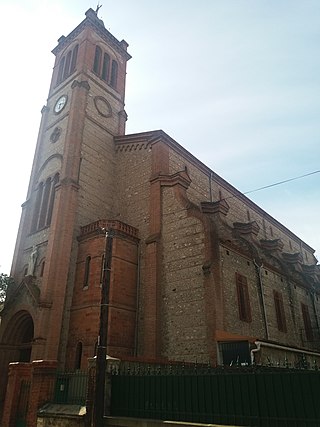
<point x="86" y="272"/>
<point x="97" y="60"/>
<point x="34" y="225"/>
<point x="78" y="357"/>
<point x="66" y="71"/>
<point x="42" y="268"/>
<point x="114" y="74"/>
<point x="61" y="68"/>
<point x="67" y="64"/>
<point x="105" y="67"/>
<point x="74" y="59"/>
<point x="52" y="196"/>
<point x="44" y="204"/>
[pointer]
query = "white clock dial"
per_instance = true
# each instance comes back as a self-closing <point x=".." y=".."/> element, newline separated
<point x="60" y="104"/>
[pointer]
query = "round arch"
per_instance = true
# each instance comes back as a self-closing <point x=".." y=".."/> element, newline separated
<point x="19" y="335"/>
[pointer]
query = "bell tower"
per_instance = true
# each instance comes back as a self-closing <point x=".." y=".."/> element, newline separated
<point x="72" y="180"/>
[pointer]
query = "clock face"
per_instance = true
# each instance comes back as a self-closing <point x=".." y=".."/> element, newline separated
<point x="60" y="104"/>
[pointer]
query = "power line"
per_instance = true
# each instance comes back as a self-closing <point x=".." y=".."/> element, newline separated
<point x="275" y="184"/>
<point x="282" y="182"/>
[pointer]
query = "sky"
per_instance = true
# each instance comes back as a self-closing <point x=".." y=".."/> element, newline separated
<point x="236" y="82"/>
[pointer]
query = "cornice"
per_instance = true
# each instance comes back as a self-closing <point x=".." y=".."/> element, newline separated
<point x="180" y="178"/>
<point x="149" y="138"/>
<point x="93" y="22"/>
<point x="99" y="227"/>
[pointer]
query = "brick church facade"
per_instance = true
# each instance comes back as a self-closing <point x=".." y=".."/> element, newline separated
<point x="198" y="272"/>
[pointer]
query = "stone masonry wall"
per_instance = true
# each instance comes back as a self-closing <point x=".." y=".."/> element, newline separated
<point x="240" y="211"/>
<point x="132" y="206"/>
<point x="182" y="289"/>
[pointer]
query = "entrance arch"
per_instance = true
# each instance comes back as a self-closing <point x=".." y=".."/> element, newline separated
<point x="15" y="345"/>
<point x="18" y="337"/>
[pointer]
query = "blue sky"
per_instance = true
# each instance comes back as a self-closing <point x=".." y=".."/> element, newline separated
<point x="236" y="82"/>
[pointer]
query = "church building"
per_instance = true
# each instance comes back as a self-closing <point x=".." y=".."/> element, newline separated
<point x="198" y="271"/>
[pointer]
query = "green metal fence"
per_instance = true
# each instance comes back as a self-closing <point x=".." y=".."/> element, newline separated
<point x="71" y="388"/>
<point x="249" y="396"/>
<point x="23" y="400"/>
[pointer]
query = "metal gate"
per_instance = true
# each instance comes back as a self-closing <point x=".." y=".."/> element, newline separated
<point x="23" y="401"/>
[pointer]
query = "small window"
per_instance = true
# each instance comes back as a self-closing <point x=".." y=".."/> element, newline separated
<point x="66" y="71"/>
<point x="105" y="67"/>
<point x="114" y="74"/>
<point x="78" y="356"/>
<point x="97" y="60"/>
<point x="52" y="197"/>
<point x="243" y="298"/>
<point x="74" y="59"/>
<point x="86" y="272"/>
<point x="307" y="322"/>
<point x="37" y="206"/>
<point x="44" y="204"/>
<point x="279" y="308"/>
<point x="42" y="268"/>
<point x="102" y="269"/>
<point x="61" y="69"/>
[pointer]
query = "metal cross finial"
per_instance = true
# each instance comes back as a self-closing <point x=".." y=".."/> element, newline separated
<point x="98" y="7"/>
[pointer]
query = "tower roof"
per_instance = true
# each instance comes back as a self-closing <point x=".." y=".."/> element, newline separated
<point x="97" y="25"/>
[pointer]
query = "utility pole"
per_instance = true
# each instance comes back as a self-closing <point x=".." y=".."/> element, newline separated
<point x="103" y="333"/>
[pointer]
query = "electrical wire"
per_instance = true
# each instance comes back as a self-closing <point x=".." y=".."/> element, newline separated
<point x="274" y="184"/>
<point x="282" y="182"/>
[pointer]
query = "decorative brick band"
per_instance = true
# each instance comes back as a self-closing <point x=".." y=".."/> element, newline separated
<point x="272" y="245"/>
<point x="103" y="224"/>
<point x="295" y="258"/>
<point x="247" y="227"/>
<point x="182" y="178"/>
<point x="83" y="84"/>
<point x="142" y="145"/>
<point x="221" y="206"/>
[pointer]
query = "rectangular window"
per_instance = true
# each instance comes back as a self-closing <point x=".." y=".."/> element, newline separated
<point x="235" y="353"/>
<point x="280" y="315"/>
<point x="243" y="298"/>
<point x="307" y="322"/>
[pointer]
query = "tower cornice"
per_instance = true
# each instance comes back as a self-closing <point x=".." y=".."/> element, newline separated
<point x="97" y="25"/>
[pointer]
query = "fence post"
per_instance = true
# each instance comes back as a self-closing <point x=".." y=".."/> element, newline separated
<point x="42" y="386"/>
<point x="112" y="365"/>
<point x="17" y="372"/>
<point x="90" y="391"/>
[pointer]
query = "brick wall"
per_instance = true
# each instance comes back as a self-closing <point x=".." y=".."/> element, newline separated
<point x="85" y="309"/>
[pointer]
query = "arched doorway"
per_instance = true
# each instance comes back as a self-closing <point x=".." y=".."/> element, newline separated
<point x="15" y="345"/>
<point x="18" y="337"/>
